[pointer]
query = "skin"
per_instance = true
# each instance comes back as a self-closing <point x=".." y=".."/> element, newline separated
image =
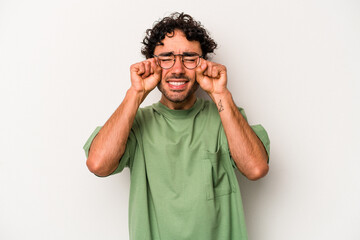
<point x="183" y="96"/>
<point x="245" y="147"/>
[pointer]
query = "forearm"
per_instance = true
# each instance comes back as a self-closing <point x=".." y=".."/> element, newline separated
<point x="109" y="145"/>
<point x="245" y="147"/>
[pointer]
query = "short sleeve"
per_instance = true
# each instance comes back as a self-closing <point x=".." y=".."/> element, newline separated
<point x="125" y="159"/>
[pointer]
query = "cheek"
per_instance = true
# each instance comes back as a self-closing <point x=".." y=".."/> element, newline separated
<point x="164" y="73"/>
<point x="192" y="75"/>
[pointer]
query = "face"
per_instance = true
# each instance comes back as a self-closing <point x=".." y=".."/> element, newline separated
<point x="178" y="84"/>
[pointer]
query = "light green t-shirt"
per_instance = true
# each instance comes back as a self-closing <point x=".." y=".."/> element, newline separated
<point x="183" y="184"/>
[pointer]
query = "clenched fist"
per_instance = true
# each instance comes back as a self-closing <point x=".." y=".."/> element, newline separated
<point x="145" y="75"/>
<point x="211" y="77"/>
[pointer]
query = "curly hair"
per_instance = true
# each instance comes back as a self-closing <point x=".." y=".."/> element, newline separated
<point x="192" y="29"/>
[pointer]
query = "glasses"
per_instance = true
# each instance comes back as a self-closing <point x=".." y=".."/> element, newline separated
<point x="167" y="61"/>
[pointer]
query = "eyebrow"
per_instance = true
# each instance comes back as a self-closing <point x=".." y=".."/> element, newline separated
<point x="165" y="54"/>
<point x="190" y="53"/>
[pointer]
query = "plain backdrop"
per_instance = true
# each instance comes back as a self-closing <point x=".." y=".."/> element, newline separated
<point x="293" y="65"/>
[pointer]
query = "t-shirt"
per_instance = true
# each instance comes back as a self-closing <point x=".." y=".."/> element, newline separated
<point x="182" y="179"/>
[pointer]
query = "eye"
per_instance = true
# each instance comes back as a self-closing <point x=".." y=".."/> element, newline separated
<point x="190" y="58"/>
<point x="166" y="59"/>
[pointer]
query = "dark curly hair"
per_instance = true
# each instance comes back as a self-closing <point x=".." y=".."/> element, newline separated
<point x="192" y="29"/>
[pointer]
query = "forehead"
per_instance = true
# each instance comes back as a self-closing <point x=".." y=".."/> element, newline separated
<point x="178" y="44"/>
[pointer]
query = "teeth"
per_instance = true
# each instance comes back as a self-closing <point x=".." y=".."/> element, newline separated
<point x="177" y="83"/>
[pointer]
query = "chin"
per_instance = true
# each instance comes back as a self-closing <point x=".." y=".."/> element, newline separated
<point x="178" y="96"/>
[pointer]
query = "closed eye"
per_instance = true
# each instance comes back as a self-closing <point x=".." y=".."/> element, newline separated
<point x="169" y="59"/>
<point x="190" y="59"/>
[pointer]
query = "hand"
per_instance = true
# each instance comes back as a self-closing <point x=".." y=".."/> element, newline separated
<point x="145" y="75"/>
<point x="211" y="77"/>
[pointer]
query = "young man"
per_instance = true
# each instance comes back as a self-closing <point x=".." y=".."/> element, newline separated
<point x="181" y="151"/>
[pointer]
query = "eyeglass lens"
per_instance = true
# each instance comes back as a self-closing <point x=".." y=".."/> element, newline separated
<point x="189" y="61"/>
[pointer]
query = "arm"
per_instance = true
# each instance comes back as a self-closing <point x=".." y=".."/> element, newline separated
<point x="246" y="149"/>
<point x="109" y="145"/>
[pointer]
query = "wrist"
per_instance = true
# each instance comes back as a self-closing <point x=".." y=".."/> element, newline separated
<point x="224" y="102"/>
<point x="137" y="95"/>
<point x="216" y="96"/>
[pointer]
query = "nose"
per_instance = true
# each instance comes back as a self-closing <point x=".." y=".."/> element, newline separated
<point x="178" y="65"/>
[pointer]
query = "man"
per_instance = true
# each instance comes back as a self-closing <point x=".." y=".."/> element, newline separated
<point x="182" y="150"/>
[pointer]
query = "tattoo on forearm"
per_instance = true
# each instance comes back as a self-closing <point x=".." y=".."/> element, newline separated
<point x="220" y="106"/>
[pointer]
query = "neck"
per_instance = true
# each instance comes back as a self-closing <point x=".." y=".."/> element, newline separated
<point x="184" y="105"/>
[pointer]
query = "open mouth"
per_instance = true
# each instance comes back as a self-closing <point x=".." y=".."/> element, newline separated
<point x="177" y="85"/>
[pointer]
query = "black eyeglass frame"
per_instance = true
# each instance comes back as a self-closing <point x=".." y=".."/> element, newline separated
<point x="182" y="60"/>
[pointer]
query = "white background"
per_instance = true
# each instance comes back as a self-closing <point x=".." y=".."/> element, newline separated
<point x="294" y="66"/>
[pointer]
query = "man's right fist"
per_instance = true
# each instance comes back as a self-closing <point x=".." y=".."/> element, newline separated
<point x="145" y="75"/>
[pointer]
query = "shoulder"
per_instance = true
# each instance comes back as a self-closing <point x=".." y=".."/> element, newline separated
<point x="144" y="115"/>
<point x="209" y="112"/>
<point x="211" y="109"/>
<point x="145" y="111"/>
<point x="208" y="106"/>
